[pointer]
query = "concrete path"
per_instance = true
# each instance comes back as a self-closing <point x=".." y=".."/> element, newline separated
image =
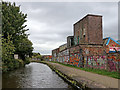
<point x="90" y="79"/>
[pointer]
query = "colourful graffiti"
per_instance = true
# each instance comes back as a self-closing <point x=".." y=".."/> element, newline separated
<point x="113" y="63"/>
<point x="96" y="62"/>
<point x="63" y="56"/>
<point x="76" y="59"/>
<point x="66" y="59"/>
<point x="114" y="49"/>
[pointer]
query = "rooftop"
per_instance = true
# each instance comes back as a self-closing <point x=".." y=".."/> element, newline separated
<point x="109" y="38"/>
<point x="86" y="16"/>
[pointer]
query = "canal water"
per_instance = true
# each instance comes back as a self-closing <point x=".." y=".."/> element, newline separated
<point x="33" y="75"/>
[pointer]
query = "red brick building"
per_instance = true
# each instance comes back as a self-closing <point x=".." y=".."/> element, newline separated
<point x="88" y="40"/>
<point x="87" y="48"/>
<point x="88" y="30"/>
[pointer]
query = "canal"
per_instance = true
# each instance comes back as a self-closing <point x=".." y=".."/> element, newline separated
<point x="33" y="75"/>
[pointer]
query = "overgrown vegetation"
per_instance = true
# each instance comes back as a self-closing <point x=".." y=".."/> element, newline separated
<point x="97" y="71"/>
<point x="36" y="57"/>
<point x="14" y="37"/>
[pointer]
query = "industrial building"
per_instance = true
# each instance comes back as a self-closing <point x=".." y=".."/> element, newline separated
<point x="87" y="48"/>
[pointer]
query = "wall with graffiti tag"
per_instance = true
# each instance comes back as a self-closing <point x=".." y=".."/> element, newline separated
<point x="84" y="57"/>
<point x="95" y="62"/>
<point x="63" y="56"/>
<point x="113" y="62"/>
<point x="76" y="59"/>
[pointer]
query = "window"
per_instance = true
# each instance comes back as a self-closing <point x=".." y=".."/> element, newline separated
<point x="84" y="32"/>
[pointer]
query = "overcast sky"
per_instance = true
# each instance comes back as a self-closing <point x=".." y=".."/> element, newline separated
<point x="50" y="23"/>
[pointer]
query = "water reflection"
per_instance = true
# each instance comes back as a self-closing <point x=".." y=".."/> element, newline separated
<point x="34" y="75"/>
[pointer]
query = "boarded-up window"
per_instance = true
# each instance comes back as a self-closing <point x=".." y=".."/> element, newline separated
<point x="84" y="32"/>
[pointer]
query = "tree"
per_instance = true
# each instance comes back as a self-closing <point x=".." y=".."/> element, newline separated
<point x="37" y="56"/>
<point x="7" y="52"/>
<point x="24" y="48"/>
<point x="14" y="37"/>
<point x="7" y="49"/>
<point x="13" y="23"/>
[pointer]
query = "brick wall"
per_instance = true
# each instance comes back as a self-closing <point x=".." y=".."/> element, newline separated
<point x="89" y="56"/>
<point x="55" y="53"/>
<point x="70" y="41"/>
<point x="62" y="47"/>
<point x="113" y="62"/>
<point x="89" y="49"/>
<point x="88" y="30"/>
<point x="95" y="29"/>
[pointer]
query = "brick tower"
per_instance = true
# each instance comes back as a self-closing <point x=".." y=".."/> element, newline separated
<point x="88" y="30"/>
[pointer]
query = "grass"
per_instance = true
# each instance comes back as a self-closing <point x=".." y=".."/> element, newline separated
<point x="97" y="71"/>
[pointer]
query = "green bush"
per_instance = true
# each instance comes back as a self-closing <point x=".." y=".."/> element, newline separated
<point x="20" y="61"/>
<point x="4" y="68"/>
<point x="13" y="64"/>
<point x="27" y="60"/>
<point x="10" y="66"/>
<point x="16" y="64"/>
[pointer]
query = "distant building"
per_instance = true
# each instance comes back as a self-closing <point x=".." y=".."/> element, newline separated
<point x="47" y="57"/>
<point x="55" y="54"/>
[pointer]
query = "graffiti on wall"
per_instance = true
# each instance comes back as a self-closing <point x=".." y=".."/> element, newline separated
<point x="114" y="49"/>
<point x="108" y="62"/>
<point x="96" y="62"/>
<point x="113" y="63"/>
<point x="76" y="59"/>
<point x="66" y="59"/>
<point x="63" y="56"/>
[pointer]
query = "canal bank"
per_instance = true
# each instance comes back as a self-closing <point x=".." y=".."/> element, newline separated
<point x="83" y="79"/>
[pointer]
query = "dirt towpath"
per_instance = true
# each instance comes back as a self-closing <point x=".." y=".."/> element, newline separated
<point x="91" y="80"/>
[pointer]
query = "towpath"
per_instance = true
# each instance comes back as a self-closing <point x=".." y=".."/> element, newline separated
<point x="91" y="80"/>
